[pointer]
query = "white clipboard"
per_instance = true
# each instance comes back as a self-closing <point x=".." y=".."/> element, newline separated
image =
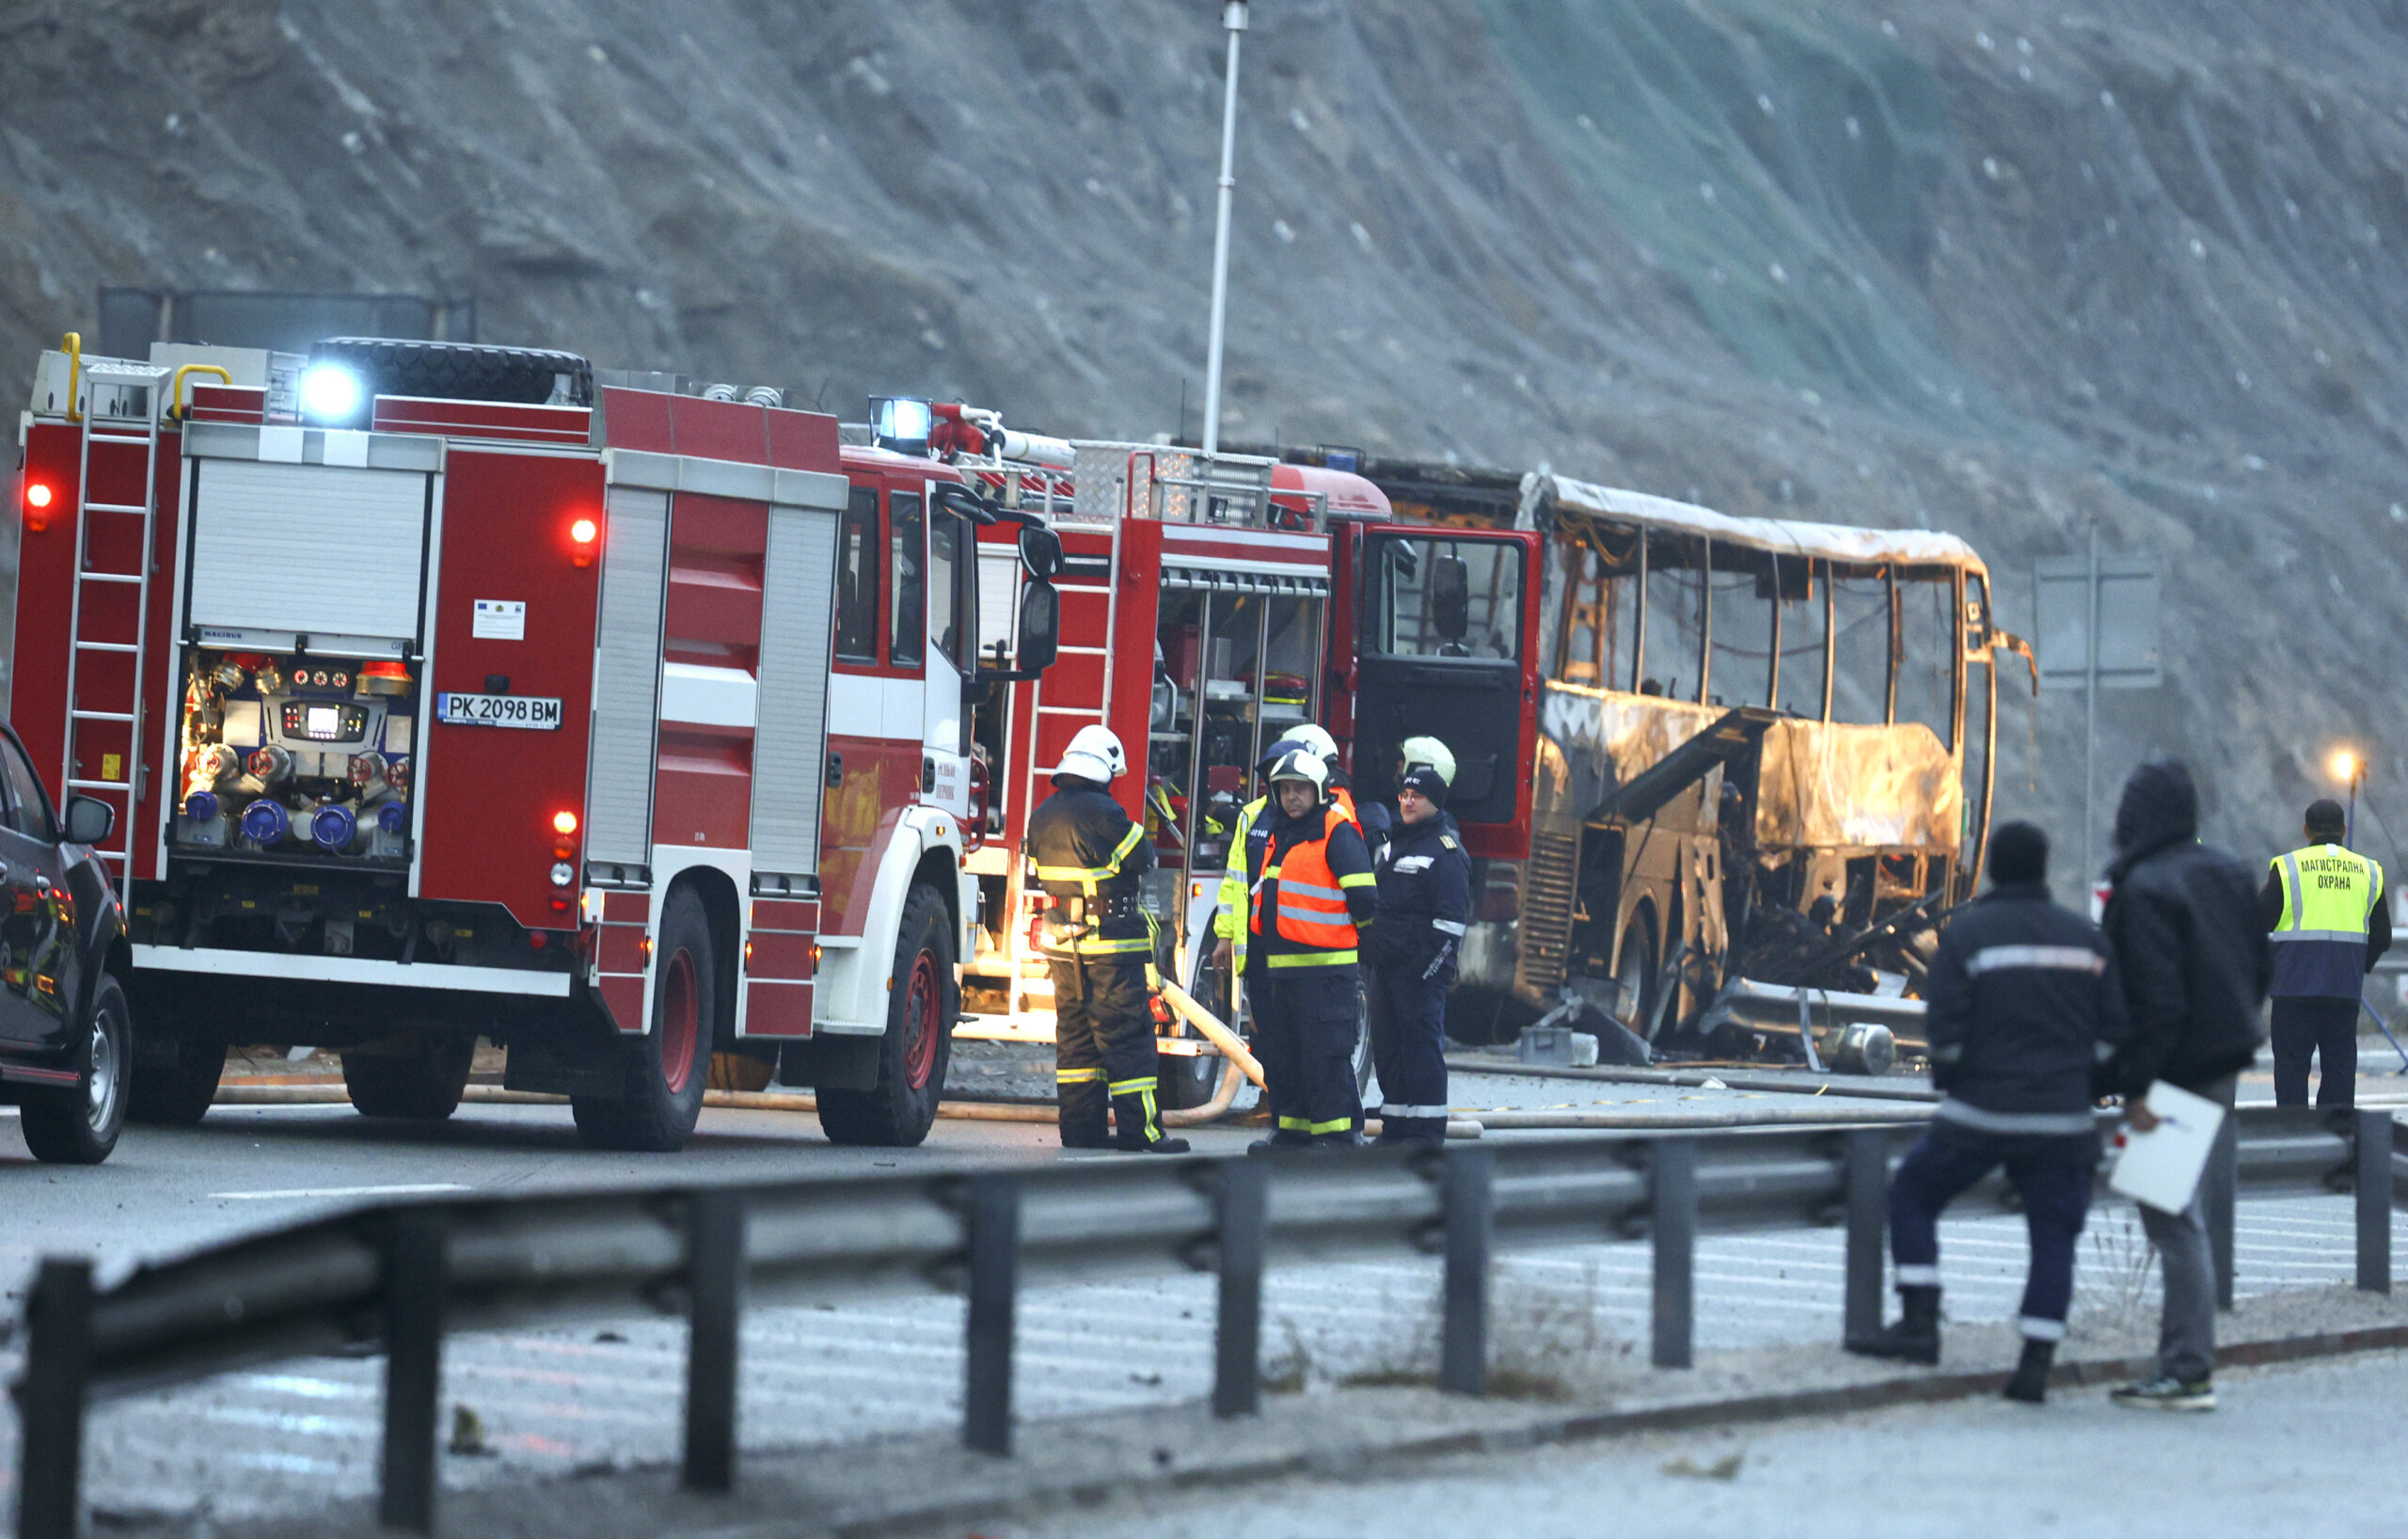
<point x="2162" y="1167"/>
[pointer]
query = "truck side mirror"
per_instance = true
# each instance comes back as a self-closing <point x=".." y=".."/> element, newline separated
<point x="1041" y="551"/>
<point x="1451" y="598"/>
<point x="1040" y="626"/>
<point x="89" y="820"/>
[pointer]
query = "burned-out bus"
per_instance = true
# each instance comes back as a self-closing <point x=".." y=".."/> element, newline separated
<point x="1763" y="751"/>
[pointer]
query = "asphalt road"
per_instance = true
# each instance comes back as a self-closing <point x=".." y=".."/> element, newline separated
<point x="291" y="1435"/>
<point x="2315" y="1449"/>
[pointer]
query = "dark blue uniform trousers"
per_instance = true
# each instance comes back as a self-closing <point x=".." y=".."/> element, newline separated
<point x="2051" y="1175"/>
<point x="1304" y="1021"/>
<point x="1409" y="1022"/>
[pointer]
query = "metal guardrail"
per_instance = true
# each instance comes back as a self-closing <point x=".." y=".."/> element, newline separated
<point x="399" y="1276"/>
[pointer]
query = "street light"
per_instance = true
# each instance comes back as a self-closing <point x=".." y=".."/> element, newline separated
<point x="1233" y="19"/>
<point x="2350" y="769"/>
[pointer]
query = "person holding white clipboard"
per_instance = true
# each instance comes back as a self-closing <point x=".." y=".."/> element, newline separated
<point x="2191" y="946"/>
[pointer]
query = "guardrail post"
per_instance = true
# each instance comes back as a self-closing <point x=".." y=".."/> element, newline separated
<point x="51" y="1399"/>
<point x="2374" y="1200"/>
<point x="714" y="1302"/>
<point x="1868" y="1184"/>
<point x="994" y="1281"/>
<point x="1672" y="1203"/>
<point x="2221" y="1189"/>
<point x="414" y="1287"/>
<point x="1470" y="1196"/>
<point x="1237" y="1340"/>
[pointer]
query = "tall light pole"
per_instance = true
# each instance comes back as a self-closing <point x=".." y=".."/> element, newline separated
<point x="1232" y="18"/>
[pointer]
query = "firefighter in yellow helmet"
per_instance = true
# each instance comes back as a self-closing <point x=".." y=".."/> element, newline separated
<point x="1310" y="890"/>
<point x="1090" y="857"/>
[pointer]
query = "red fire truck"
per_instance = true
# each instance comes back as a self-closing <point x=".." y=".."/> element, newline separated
<point x="446" y="690"/>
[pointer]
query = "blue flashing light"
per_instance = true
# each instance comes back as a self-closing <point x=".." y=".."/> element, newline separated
<point x="202" y="807"/>
<point x="265" y="822"/>
<point x="332" y="827"/>
<point x="392" y="818"/>
<point x="330" y="394"/>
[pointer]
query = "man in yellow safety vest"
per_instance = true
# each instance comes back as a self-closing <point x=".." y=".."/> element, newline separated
<point x="2326" y="917"/>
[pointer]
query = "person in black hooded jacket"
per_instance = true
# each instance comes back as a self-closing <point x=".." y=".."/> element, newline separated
<point x="2191" y="946"/>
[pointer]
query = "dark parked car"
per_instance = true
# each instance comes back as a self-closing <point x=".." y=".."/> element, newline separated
<point x="66" y="1036"/>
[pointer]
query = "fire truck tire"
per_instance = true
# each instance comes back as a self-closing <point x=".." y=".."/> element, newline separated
<point x="454" y="370"/>
<point x="421" y="1087"/>
<point x="175" y="1082"/>
<point x="79" y="1125"/>
<point x="671" y="1065"/>
<point x="926" y="1001"/>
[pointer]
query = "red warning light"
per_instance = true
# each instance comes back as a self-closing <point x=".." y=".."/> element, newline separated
<point x="37" y="501"/>
<point x="582" y="535"/>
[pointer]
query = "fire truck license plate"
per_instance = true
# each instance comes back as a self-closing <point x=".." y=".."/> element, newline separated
<point x="499" y="710"/>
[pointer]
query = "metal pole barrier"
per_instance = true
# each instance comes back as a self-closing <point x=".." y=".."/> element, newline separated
<point x="1237" y="1343"/>
<point x="2222" y="1178"/>
<point x="414" y="1287"/>
<point x="1868" y="1216"/>
<point x="51" y="1399"/>
<point x="1469" y="1194"/>
<point x="2374" y="1200"/>
<point x="994" y="1281"/>
<point x="715" y="1303"/>
<point x="1672" y="1202"/>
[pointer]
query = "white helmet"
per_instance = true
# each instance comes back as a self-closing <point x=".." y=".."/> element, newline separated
<point x="1429" y="750"/>
<point x="1315" y="739"/>
<point x="1095" y="753"/>
<point x="1299" y="765"/>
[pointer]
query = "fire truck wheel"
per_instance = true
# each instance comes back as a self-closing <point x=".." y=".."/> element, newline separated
<point x="1187" y="1082"/>
<point x="175" y="1082"/>
<point x="455" y="371"/>
<point x="423" y="1085"/>
<point x="673" y="1063"/>
<point x="921" y="1010"/>
<point x="79" y="1125"/>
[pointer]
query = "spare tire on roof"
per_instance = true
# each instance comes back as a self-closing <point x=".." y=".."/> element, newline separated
<point x="461" y="371"/>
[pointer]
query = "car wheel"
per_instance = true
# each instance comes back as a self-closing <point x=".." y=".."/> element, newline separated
<point x="80" y="1125"/>
<point x="670" y="1066"/>
<point x="921" y="1010"/>
<point x="423" y="1086"/>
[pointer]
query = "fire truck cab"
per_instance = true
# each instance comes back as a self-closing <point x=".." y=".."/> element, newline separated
<point x="445" y="692"/>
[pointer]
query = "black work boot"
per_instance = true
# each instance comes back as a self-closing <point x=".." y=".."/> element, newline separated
<point x="1280" y="1141"/>
<point x="1914" y="1339"/>
<point x="2030" y="1384"/>
<point x="1135" y="1127"/>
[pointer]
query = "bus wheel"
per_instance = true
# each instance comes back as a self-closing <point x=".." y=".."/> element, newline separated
<point x="1634" y="971"/>
<point x="921" y="1010"/>
<point x="664" y="1098"/>
<point x="423" y="1085"/>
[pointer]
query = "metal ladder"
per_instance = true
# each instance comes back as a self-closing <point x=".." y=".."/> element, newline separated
<point x="117" y="432"/>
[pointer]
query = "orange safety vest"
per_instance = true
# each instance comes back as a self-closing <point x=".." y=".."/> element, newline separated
<point x="1345" y="800"/>
<point x="1312" y="905"/>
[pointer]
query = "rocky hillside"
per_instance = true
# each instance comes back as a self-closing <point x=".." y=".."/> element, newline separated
<point x="2000" y="267"/>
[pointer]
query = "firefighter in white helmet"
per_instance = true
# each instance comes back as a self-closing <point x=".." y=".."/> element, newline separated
<point x="1311" y="888"/>
<point x="1229" y="924"/>
<point x="1089" y="857"/>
